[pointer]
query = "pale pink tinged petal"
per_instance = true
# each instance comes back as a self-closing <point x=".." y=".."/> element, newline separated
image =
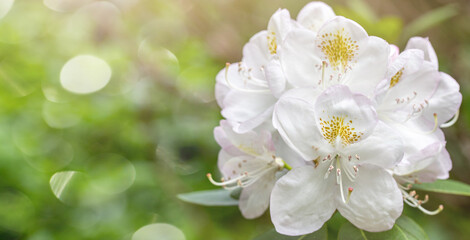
<point x="275" y="77"/>
<point x="446" y="100"/>
<point x="240" y="165"/>
<point x="415" y="134"/>
<point x="302" y="201"/>
<point x="356" y="110"/>
<point x="425" y="45"/>
<point x="286" y="153"/>
<point x="280" y="23"/>
<point x="248" y="109"/>
<point x="223" y="157"/>
<point x="419" y="160"/>
<point x="439" y="169"/>
<point x="394" y="52"/>
<point x="300" y="64"/>
<point x="314" y="15"/>
<point x="384" y="147"/>
<point x="294" y="118"/>
<point x="254" y="199"/>
<point x="249" y="143"/>
<point x="370" y="67"/>
<point x="375" y="202"/>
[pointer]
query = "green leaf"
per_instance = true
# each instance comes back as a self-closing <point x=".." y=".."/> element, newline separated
<point x="321" y="234"/>
<point x="404" y="229"/>
<point x="445" y="186"/>
<point x="219" y="197"/>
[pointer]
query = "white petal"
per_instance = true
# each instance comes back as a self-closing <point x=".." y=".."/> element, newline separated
<point x="275" y="77"/>
<point x="394" y="52"/>
<point x="314" y="15"/>
<point x="439" y="169"/>
<point x="223" y="158"/>
<point x="294" y="118"/>
<point x="302" y="201"/>
<point x="419" y="160"/>
<point x="263" y="118"/>
<point x="240" y="165"/>
<point x="411" y="95"/>
<point x="250" y="109"/>
<point x="355" y="109"/>
<point x="425" y="45"/>
<point x="375" y="202"/>
<point x="254" y="199"/>
<point x="384" y="147"/>
<point x="234" y="143"/>
<point x="370" y="68"/>
<point x="300" y="64"/>
<point x="411" y="59"/>
<point x="280" y="23"/>
<point x="286" y="153"/>
<point x="256" y="53"/>
<point x="446" y="100"/>
<point x="221" y="88"/>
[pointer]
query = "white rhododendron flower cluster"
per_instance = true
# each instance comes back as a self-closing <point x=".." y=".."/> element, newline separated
<point x="321" y="117"/>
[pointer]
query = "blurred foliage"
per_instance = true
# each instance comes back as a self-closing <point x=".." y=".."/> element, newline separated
<point x="105" y="164"/>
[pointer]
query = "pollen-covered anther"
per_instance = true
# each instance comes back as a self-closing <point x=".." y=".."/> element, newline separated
<point x="350" y="190"/>
<point x="396" y="78"/>
<point x="272" y="43"/>
<point x="338" y="128"/>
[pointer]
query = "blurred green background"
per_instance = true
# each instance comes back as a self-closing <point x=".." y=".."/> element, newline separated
<point x="104" y="164"/>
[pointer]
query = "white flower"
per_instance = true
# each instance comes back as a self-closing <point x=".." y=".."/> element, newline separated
<point x="340" y="53"/>
<point x="249" y="161"/>
<point x="447" y="98"/>
<point x="242" y="90"/>
<point x="414" y="100"/>
<point x="348" y="150"/>
<point x="248" y="90"/>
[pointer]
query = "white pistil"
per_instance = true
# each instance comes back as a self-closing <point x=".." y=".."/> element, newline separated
<point x="253" y="80"/>
<point x="452" y="121"/>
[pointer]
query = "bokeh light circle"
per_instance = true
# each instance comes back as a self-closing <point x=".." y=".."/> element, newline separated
<point x="85" y="74"/>
<point x="111" y="173"/>
<point x="5" y="6"/>
<point x="159" y="231"/>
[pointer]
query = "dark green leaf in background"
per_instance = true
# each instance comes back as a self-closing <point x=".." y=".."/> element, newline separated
<point x="445" y="186"/>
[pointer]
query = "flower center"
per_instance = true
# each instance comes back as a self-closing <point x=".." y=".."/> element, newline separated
<point x="272" y="43"/>
<point x="338" y="48"/>
<point x="337" y="129"/>
<point x="396" y="78"/>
